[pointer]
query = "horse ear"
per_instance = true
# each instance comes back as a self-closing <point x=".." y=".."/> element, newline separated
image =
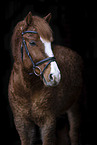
<point x="48" y="17"/>
<point x="28" y="18"/>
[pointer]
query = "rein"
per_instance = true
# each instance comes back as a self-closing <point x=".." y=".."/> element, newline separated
<point x="35" y="65"/>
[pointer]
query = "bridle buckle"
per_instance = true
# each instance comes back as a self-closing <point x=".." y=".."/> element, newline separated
<point x="37" y="71"/>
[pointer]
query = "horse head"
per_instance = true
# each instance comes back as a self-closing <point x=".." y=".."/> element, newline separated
<point x="33" y="37"/>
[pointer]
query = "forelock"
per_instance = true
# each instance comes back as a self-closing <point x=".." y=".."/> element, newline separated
<point x="43" y="28"/>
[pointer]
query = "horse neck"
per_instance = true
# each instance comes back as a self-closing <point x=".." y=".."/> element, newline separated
<point x="32" y="81"/>
<point x="27" y="81"/>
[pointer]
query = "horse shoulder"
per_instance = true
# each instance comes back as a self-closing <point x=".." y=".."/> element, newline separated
<point x="71" y="67"/>
<point x="68" y="57"/>
<point x="19" y="94"/>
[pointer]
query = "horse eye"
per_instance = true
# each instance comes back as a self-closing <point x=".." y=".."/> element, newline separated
<point x="32" y="43"/>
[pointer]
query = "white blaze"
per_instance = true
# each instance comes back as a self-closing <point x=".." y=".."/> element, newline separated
<point x="47" y="46"/>
<point x="54" y="68"/>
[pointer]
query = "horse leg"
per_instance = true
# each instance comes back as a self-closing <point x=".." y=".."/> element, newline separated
<point x="63" y="137"/>
<point x="63" y="131"/>
<point x="26" y="131"/>
<point x="48" y="132"/>
<point x="74" y="120"/>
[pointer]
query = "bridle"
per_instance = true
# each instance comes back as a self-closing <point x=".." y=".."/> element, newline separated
<point x="35" y="65"/>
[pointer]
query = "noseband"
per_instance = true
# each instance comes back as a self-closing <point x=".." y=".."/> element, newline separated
<point x="35" y="65"/>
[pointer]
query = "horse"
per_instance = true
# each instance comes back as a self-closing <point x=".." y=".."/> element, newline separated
<point x="46" y="82"/>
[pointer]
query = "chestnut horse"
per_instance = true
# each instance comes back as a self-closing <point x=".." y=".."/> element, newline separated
<point x="45" y="83"/>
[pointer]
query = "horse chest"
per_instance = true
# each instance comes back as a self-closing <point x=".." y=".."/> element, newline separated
<point x="42" y="103"/>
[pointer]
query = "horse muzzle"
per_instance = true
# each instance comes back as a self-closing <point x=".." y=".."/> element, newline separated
<point x="54" y="76"/>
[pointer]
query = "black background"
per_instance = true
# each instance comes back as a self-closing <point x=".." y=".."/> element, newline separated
<point x="74" y="25"/>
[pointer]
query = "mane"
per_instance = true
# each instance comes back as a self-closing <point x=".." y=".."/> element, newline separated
<point x="16" y="40"/>
<point x="43" y="28"/>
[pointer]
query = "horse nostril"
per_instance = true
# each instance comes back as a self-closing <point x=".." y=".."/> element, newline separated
<point x="51" y="77"/>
